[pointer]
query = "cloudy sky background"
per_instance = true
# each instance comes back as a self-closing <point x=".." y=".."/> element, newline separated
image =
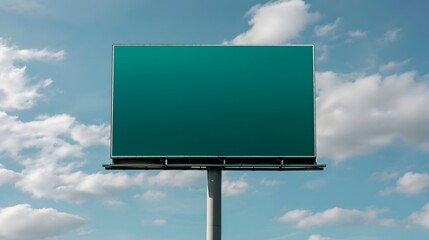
<point x="372" y="122"/>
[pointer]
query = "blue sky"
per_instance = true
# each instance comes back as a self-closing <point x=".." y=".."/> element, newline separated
<point x="372" y="122"/>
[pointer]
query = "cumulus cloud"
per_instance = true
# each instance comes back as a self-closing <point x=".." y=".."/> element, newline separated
<point x="22" y="222"/>
<point x="75" y="186"/>
<point x="306" y="219"/>
<point x="357" y="114"/>
<point x="276" y="22"/>
<point x="90" y="135"/>
<point x="16" y="89"/>
<point x="412" y="183"/>
<point x="318" y="237"/>
<point x="325" y="30"/>
<point x="234" y="187"/>
<point x="8" y="176"/>
<point x="42" y="147"/>
<point x="56" y="137"/>
<point x="49" y="148"/>
<point x="421" y="217"/>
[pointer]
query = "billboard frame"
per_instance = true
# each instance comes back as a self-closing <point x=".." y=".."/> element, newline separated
<point x="194" y="162"/>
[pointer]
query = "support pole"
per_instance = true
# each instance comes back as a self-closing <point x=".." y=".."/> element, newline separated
<point x="214" y="203"/>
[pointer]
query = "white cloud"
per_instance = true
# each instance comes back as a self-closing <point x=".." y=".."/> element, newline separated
<point x="89" y="135"/>
<point x="356" y="33"/>
<point x="50" y="148"/>
<point x="421" y="217"/>
<point x="22" y="222"/>
<point x="318" y="237"/>
<point x="276" y="22"/>
<point x="412" y="183"/>
<point x="75" y="186"/>
<point x="294" y="215"/>
<point x="391" y="35"/>
<point x="8" y="176"/>
<point x="393" y="64"/>
<point x="324" y="30"/>
<point x="54" y="137"/>
<point x="234" y="187"/>
<point x="44" y="133"/>
<point x="306" y="219"/>
<point x="151" y="195"/>
<point x="159" y="221"/>
<point x="358" y="114"/>
<point x="16" y="90"/>
<point x="41" y="146"/>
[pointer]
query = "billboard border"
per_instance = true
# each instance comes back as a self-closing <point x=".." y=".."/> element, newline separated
<point x="202" y="165"/>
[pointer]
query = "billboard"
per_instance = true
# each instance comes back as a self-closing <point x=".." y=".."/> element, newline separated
<point x="201" y="105"/>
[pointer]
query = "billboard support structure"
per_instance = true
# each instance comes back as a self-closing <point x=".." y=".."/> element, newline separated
<point x="214" y="203"/>
<point x="213" y="108"/>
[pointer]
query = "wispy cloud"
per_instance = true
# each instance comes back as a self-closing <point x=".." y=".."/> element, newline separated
<point x="328" y="29"/>
<point x="318" y="237"/>
<point x="151" y="195"/>
<point x="394" y="64"/>
<point x="356" y="33"/>
<point x="159" y="221"/>
<point x="307" y="219"/>
<point x="234" y="187"/>
<point x="385" y="175"/>
<point x="269" y="182"/>
<point x="391" y="35"/>
<point x="276" y="22"/>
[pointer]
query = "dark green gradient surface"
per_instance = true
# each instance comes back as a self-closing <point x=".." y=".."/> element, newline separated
<point x="213" y="101"/>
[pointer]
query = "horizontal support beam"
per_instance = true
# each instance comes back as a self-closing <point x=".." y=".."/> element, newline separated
<point x="231" y="167"/>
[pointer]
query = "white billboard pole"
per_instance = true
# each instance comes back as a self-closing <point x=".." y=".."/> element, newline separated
<point x="214" y="203"/>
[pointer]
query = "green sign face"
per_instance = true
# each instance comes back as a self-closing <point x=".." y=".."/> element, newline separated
<point x="213" y="101"/>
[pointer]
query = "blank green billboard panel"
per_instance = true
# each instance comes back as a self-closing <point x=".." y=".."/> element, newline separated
<point x="213" y="101"/>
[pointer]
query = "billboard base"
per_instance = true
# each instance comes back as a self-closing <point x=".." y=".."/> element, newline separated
<point x="214" y="203"/>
